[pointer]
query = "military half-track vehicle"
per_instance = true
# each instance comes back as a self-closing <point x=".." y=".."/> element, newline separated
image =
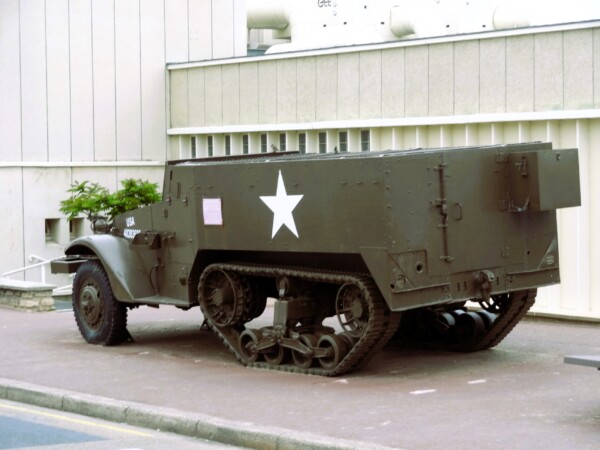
<point x="390" y="243"/>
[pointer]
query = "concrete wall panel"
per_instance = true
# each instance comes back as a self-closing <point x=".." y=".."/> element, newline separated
<point x="10" y="82"/>
<point x="249" y="93"/>
<point x="466" y="77"/>
<point x="213" y="109"/>
<point x="370" y="85"/>
<point x="392" y="83"/>
<point x="231" y="94"/>
<point x="32" y="37"/>
<point x="441" y="80"/>
<point x="548" y="72"/>
<point x="596" y="46"/>
<point x="594" y="244"/>
<point x="492" y="76"/>
<point x="81" y="76"/>
<point x="520" y="74"/>
<point x="11" y="199"/>
<point x="307" y="89"/>
<point x="200" y="30"/>
<point x="59" y="81"/>
<point x="178" y="95"/>
<point x="578" y="69"/>
<point x="153" y="89"/>
<point x="286" y="91"/>
<point x="128" y="80"/>
<point x="327" y="77"/>
<point x="417" y="81"/>
<point x="152" y="174"/>
<point x="267" y="92"/>
<point x="47" y="201"/>
<point x="176" y="31"/>
<point x="105" y="121"/>
<point x="240" y="32"/>
<point x="223" y="38"/>
<point x="348" y="86"/>
<point x="196" y="98"/>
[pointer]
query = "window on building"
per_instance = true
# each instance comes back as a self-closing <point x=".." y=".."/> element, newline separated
<point x="322" y="142"/>
<point x="365" y="140"/>
<point x="263" y="143"/>
<point x="302" y="142"/>
<point x="210" y="145"/>
<point x="193" y="146"/>
<point x="228" y="145"/>
<point x="76" y="228"/>
<point x="282" y="142"/>
<point x="245" y="144"/>
<point x="343" y="141"/>
<point x="52" y="231"/>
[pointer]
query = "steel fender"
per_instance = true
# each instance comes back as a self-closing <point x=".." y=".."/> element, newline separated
<point x="377" y="261"/>
<point x="123" y="267"/>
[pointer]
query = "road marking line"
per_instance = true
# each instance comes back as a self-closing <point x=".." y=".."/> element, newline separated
<point x="424" y="391"/>
<point x="78" y="421"/>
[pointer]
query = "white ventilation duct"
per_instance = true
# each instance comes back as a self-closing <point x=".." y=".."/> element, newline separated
<point x="268" y="14"/>
<point x="511" y="14"/>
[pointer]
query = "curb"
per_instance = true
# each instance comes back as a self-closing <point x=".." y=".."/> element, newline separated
<point x="243" y="434"/>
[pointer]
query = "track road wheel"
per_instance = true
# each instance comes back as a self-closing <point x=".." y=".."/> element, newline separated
<point x="277" y="355"/>
<point x="249" y="338"/>
<point x="305" y="361"/>
<point x="336" y="347"/>
<point x="100" y="317"/>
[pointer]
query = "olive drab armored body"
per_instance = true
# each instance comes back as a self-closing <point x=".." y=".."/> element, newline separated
<point x="353" y="249"/>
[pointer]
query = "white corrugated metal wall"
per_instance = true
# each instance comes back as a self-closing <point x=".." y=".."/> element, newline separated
<point x="83" y="97"/>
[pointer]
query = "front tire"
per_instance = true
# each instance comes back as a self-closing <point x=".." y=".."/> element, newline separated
<point x="100" y="317"/>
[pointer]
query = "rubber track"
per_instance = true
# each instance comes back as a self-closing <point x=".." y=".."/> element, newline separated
<point x="520" y="302"/>
<point x="381" y="326"/>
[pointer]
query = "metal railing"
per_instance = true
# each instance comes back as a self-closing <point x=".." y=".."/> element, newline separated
<point x="37" y="262"/>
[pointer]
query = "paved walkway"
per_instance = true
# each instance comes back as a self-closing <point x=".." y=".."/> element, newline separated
<point x="179" y="378"/>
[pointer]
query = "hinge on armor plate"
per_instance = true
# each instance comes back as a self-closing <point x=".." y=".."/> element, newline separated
<point x="442" y="204"/>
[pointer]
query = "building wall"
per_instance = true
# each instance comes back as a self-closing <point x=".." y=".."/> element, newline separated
<point x="83" y="97"/>
<point x="502" y="87"/>
<point x="511" y="73"/>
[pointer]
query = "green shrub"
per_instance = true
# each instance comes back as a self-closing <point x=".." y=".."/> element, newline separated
<point x="101" y="207"/>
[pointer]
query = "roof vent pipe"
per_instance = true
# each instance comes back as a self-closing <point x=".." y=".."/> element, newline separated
<point x="268" y="14"/>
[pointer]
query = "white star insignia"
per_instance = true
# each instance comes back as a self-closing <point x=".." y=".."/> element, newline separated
<point x="282" y="206"/>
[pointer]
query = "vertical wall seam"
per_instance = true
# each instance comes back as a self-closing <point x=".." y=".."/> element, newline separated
<point x="381" y="85"/>
<point x="70" y="81"/>
<point x="533" y="74"/>
<point x="188" y="30"/>
<point x="562" y="42"/>
<point x="93" y="84"/>
<point x="141" y="87"/>
<point x="20" y="85"/>
<point x="478" y="77"/>
<point x="222" y="98"/>
<point x="116" y="87"/>
<point x="167" y="85"/>
<point x="46" y="79"/>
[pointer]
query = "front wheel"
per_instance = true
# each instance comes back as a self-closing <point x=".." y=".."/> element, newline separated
<point x="100" y="317"/>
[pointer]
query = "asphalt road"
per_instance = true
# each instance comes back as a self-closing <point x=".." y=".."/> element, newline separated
<point x="518" y="395"/>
